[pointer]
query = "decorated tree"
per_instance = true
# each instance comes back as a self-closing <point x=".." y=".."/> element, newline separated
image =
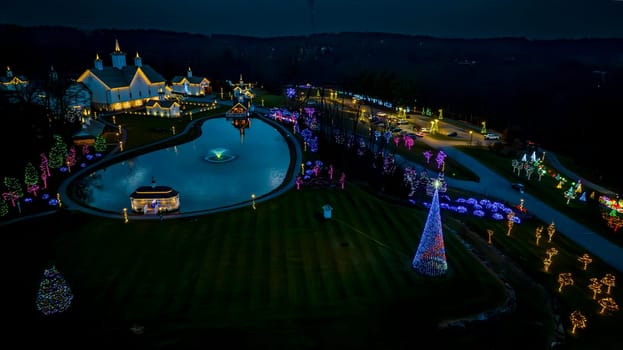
<point x="595" y="286"/>
<point x="608" y="280"/>
<point x="585" y="259"/>
<point x="551" y="252"/>
<point x="57" y="153"/>
<point x="45" y="170"/>
<point x="100" y="144"/>
<point x="608" y="304"/>
<point x="70" y="158"/>
<point x="510" y="221"/>
<point x="537" y="234"/>
<point x="54" y="295"/>
<point x="564" y="279"/>
<point x="14" y="186"/>
<point x="578" y="320"/>
<point x="430" y="258"/>
<point x="31" y="177"/>
<point x="4" y="208"/>
<point x="546" y="264"/>
<point x="551" y="229"/>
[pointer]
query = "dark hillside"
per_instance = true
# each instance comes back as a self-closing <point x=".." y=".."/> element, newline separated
<point x="549" y="91"/>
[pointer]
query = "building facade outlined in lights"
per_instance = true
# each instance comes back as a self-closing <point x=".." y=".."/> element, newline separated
<point x="120" y="86"/>
<point x="190" y="85"/>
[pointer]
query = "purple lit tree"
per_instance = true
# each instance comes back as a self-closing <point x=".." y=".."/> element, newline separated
<point x="427" y="154"/>
<point x="430" y="258"/>
<point x="54" y="295"/>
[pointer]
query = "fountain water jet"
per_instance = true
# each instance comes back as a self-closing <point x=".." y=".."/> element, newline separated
<point x="219" y="155"/>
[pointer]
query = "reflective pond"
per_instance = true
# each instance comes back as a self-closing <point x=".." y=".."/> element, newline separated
<point x="221" y="168"/>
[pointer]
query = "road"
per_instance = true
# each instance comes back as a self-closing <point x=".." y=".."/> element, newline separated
<point x="493" y="185"/>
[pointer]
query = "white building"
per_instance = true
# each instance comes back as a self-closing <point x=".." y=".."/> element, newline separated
<point x="190" y="85"/>
<point x="121" y="87"/>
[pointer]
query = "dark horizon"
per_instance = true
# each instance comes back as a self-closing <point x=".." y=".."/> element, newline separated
<point x="533" y="19"/>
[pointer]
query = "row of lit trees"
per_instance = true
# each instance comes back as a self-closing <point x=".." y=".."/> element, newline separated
<point x="61" y="156"/>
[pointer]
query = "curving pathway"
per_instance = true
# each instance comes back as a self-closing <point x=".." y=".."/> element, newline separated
<point x="494" y="185"/>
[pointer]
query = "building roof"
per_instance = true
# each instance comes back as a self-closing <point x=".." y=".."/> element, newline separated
<point x="163" y="104"/>
<point x="115" y="78"/>
<point x="154" y="192"/>
<point x="179" y="79"/>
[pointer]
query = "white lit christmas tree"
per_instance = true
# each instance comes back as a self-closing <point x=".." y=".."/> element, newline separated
<point x="54" y="295"/>
<point x="430" y="258"/>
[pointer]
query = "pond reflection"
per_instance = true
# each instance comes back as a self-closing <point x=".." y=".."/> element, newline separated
<point x="220" y="168"/>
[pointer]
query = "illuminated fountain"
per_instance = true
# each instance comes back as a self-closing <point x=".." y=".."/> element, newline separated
<point x="219" y="155"/>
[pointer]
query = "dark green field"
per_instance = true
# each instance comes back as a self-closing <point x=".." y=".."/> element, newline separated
<point x="278" y="277"/>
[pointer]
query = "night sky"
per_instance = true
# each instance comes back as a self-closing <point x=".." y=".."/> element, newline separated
<point x="537" y="19"/>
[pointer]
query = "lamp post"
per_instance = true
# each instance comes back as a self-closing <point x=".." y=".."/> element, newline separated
<point x="253" y="200"/>
<point x="471" y="134"/>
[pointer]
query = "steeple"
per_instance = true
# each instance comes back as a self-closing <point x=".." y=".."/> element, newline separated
<point x="138" y="61"/>
<point x="118" y="57"/>
<point x="9" y="72"/>
<point x="189" y="73"/>
<point x="98" y="63"/>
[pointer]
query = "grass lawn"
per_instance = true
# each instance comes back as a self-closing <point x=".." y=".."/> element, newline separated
<point x="278" y="277"/>
<point x="587" y="213"/>
<point x="284" y="277"/>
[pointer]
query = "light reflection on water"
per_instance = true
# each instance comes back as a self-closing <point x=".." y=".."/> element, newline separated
<point x="260" y="166"/>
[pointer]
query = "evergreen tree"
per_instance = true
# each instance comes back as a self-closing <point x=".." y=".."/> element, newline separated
<point x="31" y="176"/>
<point x="54" y="295"/>
<point x="13" y="185"/>
<point x="4" y="208"/>
<point x="57" y="153"/>
<point x="100" y="144"/>
<point x="430" y="258"/>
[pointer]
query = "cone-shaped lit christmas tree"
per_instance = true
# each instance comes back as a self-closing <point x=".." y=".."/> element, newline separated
<point x="430" y="258"/>
<point x="54" y="294"/>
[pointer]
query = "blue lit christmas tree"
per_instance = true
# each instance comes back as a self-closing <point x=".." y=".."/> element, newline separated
<point x="54" y="295"/>
<point x="430" y="258"/>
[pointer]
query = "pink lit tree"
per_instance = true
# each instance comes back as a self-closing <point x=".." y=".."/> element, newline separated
<point x="10" y="196"/>
<point x="70" y="159"/>
<point x="299" y="182"/>
<point x="430" y="257"/>
<point x="45" y="170"/>
<point x="408" y="140"/>
<point x="396" y="140"/>
<point x="85" y="150"/>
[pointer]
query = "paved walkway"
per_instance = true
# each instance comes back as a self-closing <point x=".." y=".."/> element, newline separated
<point x="494" y="185"/>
